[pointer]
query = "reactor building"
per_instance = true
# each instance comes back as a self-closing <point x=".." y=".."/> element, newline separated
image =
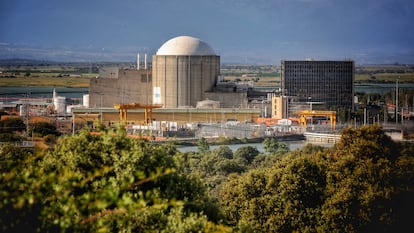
<point x="185" y="73"/>
<point x="183" y="70"/>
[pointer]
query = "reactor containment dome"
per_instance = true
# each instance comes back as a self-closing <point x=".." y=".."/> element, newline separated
<point x="184" y="69"/>
<point x="185" y="46"/>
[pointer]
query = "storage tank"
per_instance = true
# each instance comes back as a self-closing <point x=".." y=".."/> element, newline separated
<point x="60" y="104"/>
<point x="85" y="101"/>
<point x="183" y="69"/>
<point x="23" y="110"/>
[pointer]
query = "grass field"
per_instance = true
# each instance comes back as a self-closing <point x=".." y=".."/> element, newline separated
<point x="385" y="77"/>
<point x="47" y="80"/>
<point x="73" y="76"/>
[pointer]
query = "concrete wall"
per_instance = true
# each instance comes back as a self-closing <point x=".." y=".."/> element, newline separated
<point x="108" y="72"/>
<point x="229" y="99"/>
<point x="131" y="86"/>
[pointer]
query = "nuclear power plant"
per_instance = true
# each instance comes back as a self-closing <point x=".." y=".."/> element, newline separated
<point x="185" y="70"/>
<point x="182" y="93"/>
<point x="183" y="87"/>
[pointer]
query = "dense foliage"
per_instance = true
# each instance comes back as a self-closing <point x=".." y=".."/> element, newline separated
<point x="105" y="183"/>
<point x="112" y="183"/>
<point x="12" y="124"/>
<point x="364" y="184"/>
<point x="41" y="129"/>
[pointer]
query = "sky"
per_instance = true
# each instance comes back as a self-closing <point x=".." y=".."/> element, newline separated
<point x="240" y="31"/>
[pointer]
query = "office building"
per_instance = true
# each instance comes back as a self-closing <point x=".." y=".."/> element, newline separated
<point x="331" y="82"/>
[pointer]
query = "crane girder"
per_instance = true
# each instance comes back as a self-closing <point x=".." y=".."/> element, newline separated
<point x="311" y="113"/>
<point x="123" y="110"/>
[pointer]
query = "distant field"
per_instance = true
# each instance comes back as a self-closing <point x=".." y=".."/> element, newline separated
<point x="385" y="77"/>
<point x="78" y="75"/>
<point x="83" y="80"/>
<point x="47" y="80"/>
<point x="38" y="74"/>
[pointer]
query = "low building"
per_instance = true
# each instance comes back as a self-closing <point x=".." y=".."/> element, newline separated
<point x="120" y="85"/>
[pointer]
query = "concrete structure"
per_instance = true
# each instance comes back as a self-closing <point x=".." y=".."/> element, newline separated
<point x="183" y="79"/>
<point x="331" y="82"/>
<point x="119" y="85"/>
<point x="184" y="69"/>
<point x="279" y="107"/>
<point x="59" y="103"/>
<point x="85" y="101"/>
<point x="208" y="104"/>
<point x="322" y="137"/>
<point x="286" y="106"/>
<point x="182" y="116"/>
<point x="229" y="99"/>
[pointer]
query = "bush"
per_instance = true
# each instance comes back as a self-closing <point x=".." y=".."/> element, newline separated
<point x="50" y="138"/>
<point x="42" y="129"/>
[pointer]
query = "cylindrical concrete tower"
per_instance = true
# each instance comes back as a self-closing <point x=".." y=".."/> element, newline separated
<point x="183" y="69"/>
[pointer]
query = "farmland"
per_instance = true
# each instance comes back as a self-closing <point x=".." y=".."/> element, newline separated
<point x="36" y="73"/>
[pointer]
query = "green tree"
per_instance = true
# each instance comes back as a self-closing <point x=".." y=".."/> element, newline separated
<point x="284" y="198"/>
<point x="364" y="184"/>
<point x="224" y="151"/>
<point x="219" y="162"/>
<point x="203" y="145"/>
<point x="369" y="180"/>
<point x="10" y="125"/>
<point x="10" y="137"/>
<point x="367" y="142"/>
<point x="18" y="210"/>
<point x="246" y="153"/>
<point x="105" y="183"/>
<point x="41" y="129"/>
<point x="271" y="145"/>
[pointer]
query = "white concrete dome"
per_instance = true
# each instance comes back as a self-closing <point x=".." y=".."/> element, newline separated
<point x="185" y="46"/>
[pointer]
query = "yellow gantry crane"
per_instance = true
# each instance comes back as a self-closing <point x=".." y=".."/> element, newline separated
<point x="123" y="111"/>
<point x="306" y="113"/>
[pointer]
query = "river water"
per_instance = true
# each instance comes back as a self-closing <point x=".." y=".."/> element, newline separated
<point x="382" y="88"/>
<point x="293" y="145"/>
<point x="12" y="93"/>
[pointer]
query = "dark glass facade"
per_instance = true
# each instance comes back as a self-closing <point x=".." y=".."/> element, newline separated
<point x="331" y="82"/>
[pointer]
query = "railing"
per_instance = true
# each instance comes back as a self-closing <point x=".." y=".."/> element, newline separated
<point x="322" y="137"/>
<point x="23" y="144"/>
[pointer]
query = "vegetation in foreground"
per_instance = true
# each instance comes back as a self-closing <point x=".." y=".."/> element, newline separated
<point x="112" y="183"/>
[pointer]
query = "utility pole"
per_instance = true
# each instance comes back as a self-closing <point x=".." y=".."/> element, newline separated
<point x="26" y="113"/>
<point x="396" y="103"/>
